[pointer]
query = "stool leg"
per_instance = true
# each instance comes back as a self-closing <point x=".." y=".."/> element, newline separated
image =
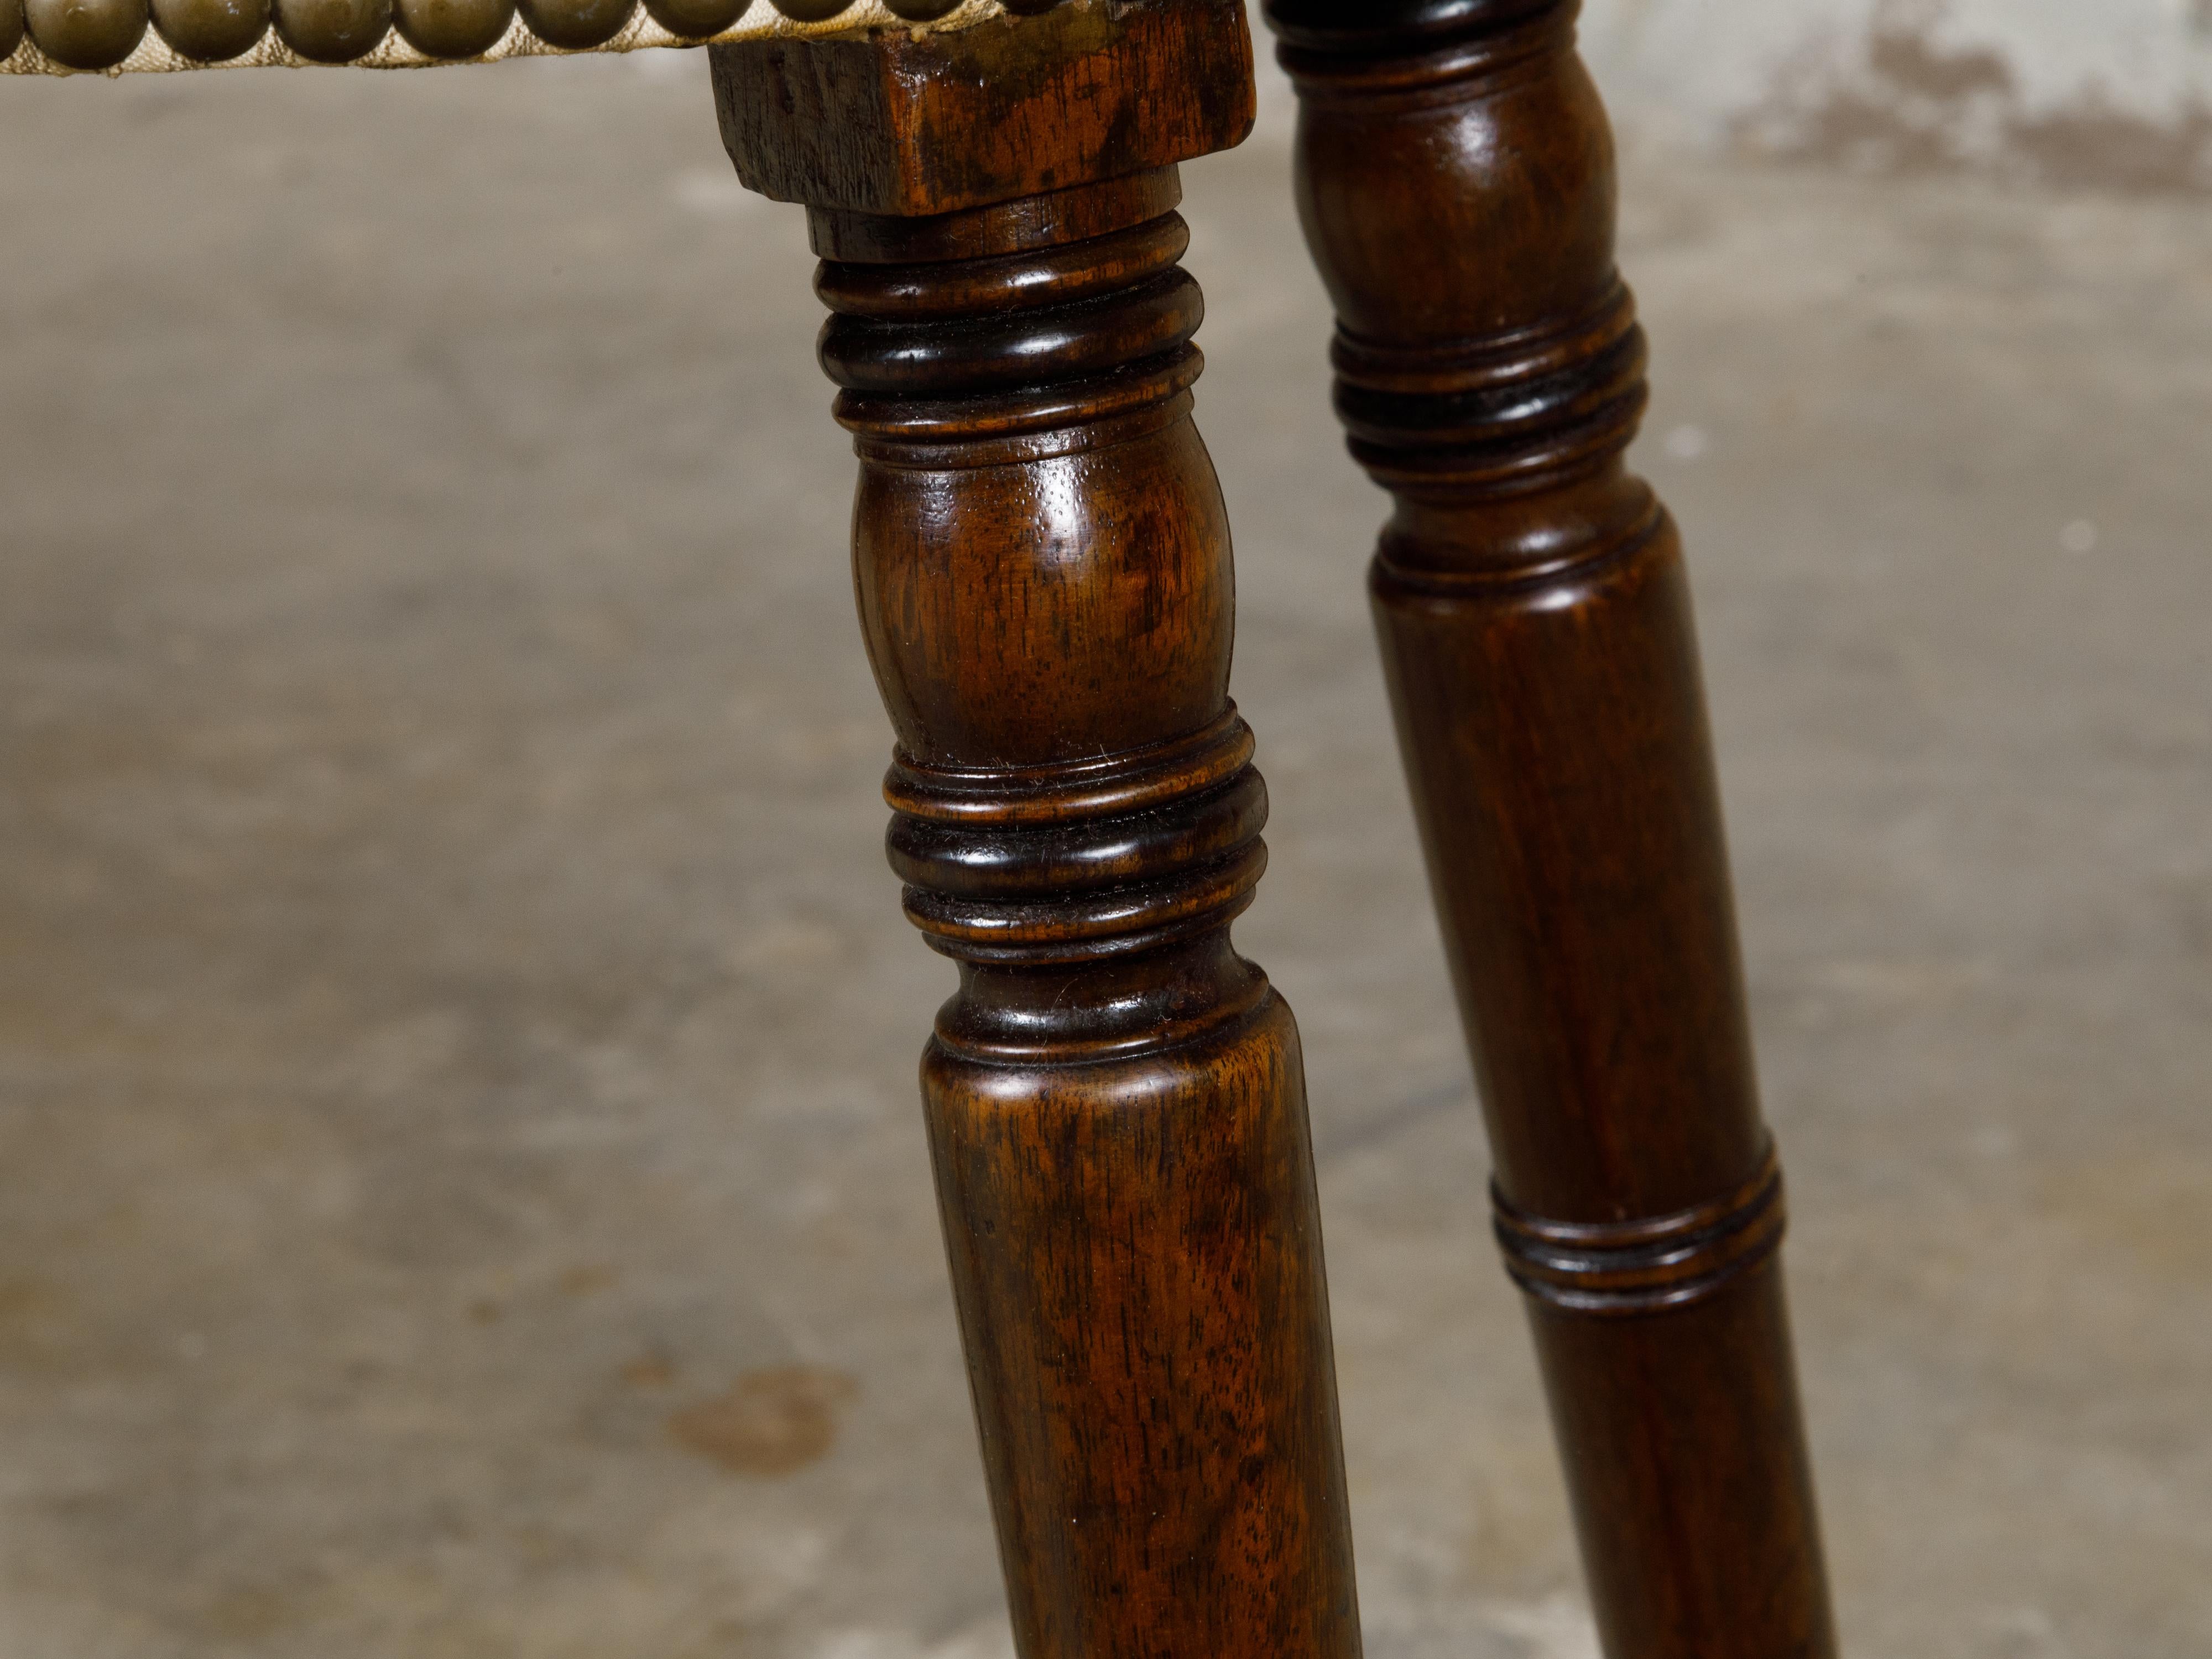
<point x="1455" y="180"/>
<point x="1114" y="1098"/>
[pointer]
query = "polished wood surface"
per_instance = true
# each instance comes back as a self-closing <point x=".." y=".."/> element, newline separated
<point x="912" y="125"/>
<point x="1457" y="186"/>
<point x="1114" y="1098"/>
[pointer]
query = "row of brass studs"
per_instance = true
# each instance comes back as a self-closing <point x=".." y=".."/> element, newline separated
<point x="100" y="34"/>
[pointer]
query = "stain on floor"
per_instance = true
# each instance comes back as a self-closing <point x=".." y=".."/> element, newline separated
<point x="768" y="1423"/>
<point x="1901" y="103"/>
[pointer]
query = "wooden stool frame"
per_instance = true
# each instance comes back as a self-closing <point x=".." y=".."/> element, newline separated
<point x="1114" y="1098"/>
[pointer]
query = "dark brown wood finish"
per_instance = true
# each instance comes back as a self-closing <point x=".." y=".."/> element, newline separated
<point x="1113" y="1097"/>
<point x="1456" y="181"/>
<point x="895" y="123"/>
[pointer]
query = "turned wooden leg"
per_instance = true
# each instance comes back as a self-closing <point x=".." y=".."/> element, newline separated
<point x="1113" y="1097"/>
<point x="1456" y="182"/>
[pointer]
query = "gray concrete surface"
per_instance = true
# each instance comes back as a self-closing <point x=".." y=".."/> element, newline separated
<point x="460" y="1191"/>
<point x="2117" y="92"/>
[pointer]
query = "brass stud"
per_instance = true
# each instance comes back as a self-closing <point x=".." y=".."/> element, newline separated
<point x="333" y="31"/>
<point x="697" y="19"/>
<point x="922" y="11"/>
<point x="452" y="28"/>
<point x="86" y="35"/>
<point x="11" y="28"/>
<point x="578" y="25"/>
<point x="810" y="11"/>
<point x="211" y="31"/>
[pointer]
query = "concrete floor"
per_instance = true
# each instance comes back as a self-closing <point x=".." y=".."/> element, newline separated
<point x="460" y="1191"/>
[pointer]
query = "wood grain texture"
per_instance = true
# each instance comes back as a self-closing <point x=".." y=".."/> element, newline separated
<point x="1457" y="186"/>
<point x="1114" y="1098"/>
<point x="903" y="123"/>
